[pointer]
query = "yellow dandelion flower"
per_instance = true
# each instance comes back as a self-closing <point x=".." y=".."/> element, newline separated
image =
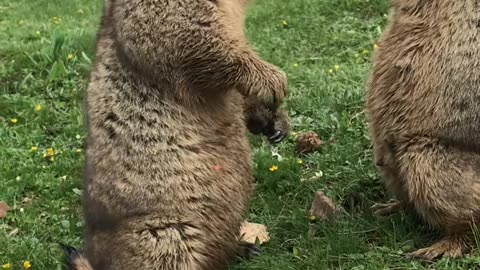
<point x="38" y="107"/>
<point x="312" y="218"/>
<point x="293" y="133"/>
<point x="70" y="56"/>
<point x="78" y="150"/>
<point x="34" y="149"/>
<point x="375" y="46"/>
<point x="14" y="120"/>
<point x="274" y="168"/>
<point x="27" y="265"/>
<point x="337" y="67"/>
<point x="21" y="22"/>
<point x="50" y="152"/>
<point x="7" y="266"/>
<point x="330" y="71"/>
<point x="295" y="65"/>
<point x="285" y="23"/>
<point x="300" y="162"/>
<point x="52" y="158"/>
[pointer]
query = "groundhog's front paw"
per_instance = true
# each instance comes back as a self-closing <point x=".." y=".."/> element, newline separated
<point x="386" y="209"/>
<point x="272" y="89"/>
<point x="273" y="124"/>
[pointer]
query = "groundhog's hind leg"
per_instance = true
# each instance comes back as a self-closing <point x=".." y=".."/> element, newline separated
<point x="171" y="245"/>
<point x="443" y="185"/>
<point x="452" y="246"/>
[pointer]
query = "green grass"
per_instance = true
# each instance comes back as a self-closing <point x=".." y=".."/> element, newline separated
<point x="36" y="38"/>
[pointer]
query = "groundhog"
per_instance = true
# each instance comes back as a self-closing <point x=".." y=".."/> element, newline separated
<point x="423" y="107"/>
<point x="168" y="169"/>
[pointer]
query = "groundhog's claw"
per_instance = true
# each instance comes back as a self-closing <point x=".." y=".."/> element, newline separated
<point x="277" y="137"/>
<point x="386" y="209"/>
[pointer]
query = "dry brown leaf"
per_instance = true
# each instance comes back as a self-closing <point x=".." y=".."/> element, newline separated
<point x="251" y="231"/>
<point x="322" y="207"/>
<point x="308" y="142"/>
<point x="4" y="208"/>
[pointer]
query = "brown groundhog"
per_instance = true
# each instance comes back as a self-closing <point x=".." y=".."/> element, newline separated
<point x="423" y="105"/>
<point x="168" y="169"/>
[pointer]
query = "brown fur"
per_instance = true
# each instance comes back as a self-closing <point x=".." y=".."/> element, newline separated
<point x="168" y="172"/>
<point x="423" y="104"/>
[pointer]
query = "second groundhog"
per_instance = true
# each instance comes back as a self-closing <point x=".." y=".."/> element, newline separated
<point x="168" y="166"/>
<point x="423" y="105"/>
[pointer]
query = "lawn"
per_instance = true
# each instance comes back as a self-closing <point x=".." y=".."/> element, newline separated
<point x="46" y="50"/>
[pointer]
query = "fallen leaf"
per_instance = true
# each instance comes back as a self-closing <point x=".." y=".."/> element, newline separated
<point x="308" y="142"/>
<point x="4" y="208"/>
<point x="322" y="207"/>
<point x="250" y="232"/>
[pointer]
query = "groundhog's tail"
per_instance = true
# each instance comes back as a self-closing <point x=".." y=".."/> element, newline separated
<point x="74" y="260"/>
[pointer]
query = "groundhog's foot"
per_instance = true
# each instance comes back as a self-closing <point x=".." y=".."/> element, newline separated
<point x="452" y="246"/>
<point x="386" y="209"/>
<point x="247" y="251"/>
